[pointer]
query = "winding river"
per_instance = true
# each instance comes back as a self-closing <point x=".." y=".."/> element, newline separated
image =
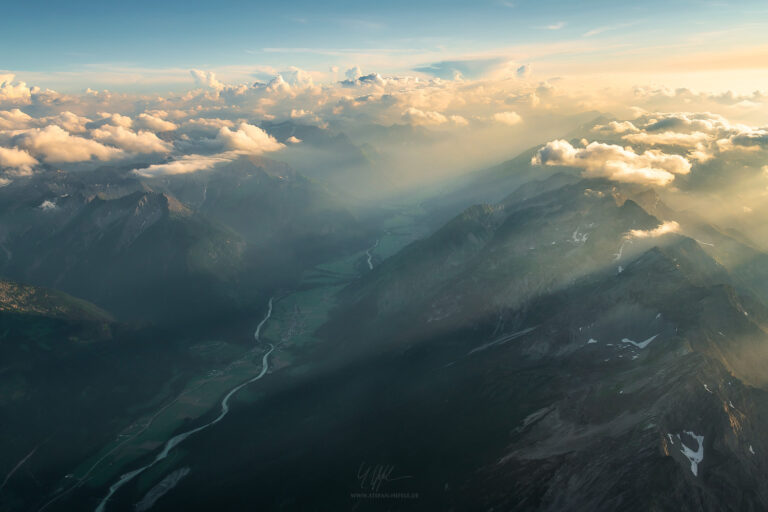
<point x="180" y="438"/>
<point x="261" y="324"/>
<point x="370" y="256"/>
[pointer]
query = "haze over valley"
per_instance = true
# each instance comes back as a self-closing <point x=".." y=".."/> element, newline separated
<point x="432" y="256"/>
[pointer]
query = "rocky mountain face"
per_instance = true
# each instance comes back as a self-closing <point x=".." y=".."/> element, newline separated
<point x="115" y="251"/>
<point x="563" y="349"/>
<point x="167" y="248"/>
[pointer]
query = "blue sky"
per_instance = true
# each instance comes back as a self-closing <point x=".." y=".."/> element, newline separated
<point x="397" y="36"/>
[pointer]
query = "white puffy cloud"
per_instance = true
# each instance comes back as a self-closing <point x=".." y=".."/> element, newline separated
<point x="206" y="125"/>
<point x="116" y="119"/>
<point x="662" y="229"/>
<point x="248" y="139"/>
<point x="184" y="165"/>
<point x="297" y="77"/>
<point x="16" y="158"/>
<point x="610" y="161"/>
<point x="509" y="118"/>
<point x="418" y="117"/>
<point x="206" y="79"/>
<point x="13" y="93"/>
<point x="14" y="119"/>
<point x="133" y="142"/>
<point x="155" y="123"/>
<point x="706" y="135"/>
<point x="71" y="122"/>
<point x="353" y="73"/>
<point x="57" y="145"/>
<point x="619" y="127"/>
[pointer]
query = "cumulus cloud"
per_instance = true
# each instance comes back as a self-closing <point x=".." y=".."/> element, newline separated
<point x="115" y="119"/>
<point x="15" y="158"/>
<point x="155" y="123"/>
<point x="705" y="135"/>
<point x="509" y="118"/>
<point x="206" y="79"/>
<point x="57" y="145"/>
<point x="418" y="117"/>
<point x="610" y="161"/>
<point x="206" y="125"/>
<point x="14" y="119"/>
<point x="619" y="127"/>
<point x="13" y="93"/>
<point x="353" y="73"/>
<point x="184" y="165"/>
<point x="662" y="229"/>
<point x="71" y="122"/>
<point x="248" y="139"/>
<point x="141" y="142"/>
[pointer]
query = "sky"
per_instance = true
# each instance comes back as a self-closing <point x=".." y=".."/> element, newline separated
<point x="150" y="46"/>
<point x="428" y="90"/>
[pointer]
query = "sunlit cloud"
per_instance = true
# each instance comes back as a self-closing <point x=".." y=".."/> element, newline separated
<point x="663" y="229"/>
<point x="185" y="165"/>
<point x="56" y="145"/>
<point x="599" y="160"/>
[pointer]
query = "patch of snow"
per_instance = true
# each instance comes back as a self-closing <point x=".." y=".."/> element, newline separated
<point x="641" y="344"/>
<point x="591" y="341"/>
<point x="751" y="450"/>
<point x="695" y="457"/>
<point x="707" y="388"/>
<point x="620" y="269"/>
<point x="658" y="315"/>
<point x="671" y="439"/>
<point x="579" y="237"/>
<point x="731" y="404"/>
<point x="47" y="206"/>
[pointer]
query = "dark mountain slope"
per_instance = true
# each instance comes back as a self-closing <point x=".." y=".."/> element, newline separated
<point x="68" y="374"/>
<point x="137" y="255"/>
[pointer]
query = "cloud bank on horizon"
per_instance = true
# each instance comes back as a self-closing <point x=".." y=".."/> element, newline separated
<point x="450" y="88"/>
<point x="215" y="122"/>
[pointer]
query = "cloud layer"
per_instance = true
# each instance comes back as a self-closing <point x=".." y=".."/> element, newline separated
<point x="599" y="160"/>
